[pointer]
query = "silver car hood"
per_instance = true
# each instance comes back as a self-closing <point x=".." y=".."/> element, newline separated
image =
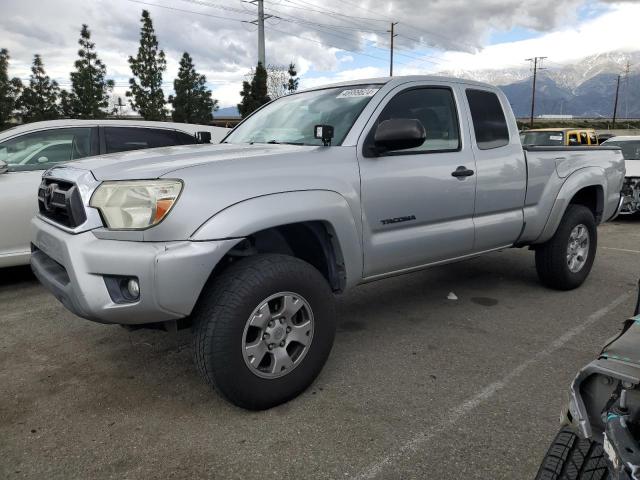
<point x="158" y="162"/>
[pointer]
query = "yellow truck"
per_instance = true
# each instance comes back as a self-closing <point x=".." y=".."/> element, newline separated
<point x="559" y="137"/>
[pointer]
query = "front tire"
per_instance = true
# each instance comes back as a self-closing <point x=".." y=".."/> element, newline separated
<point x="263" y="330"/>
<point x="565" y="260"/>
<point x="572" y="458"/>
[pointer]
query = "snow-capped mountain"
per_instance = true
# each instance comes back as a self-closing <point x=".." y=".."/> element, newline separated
<point x="567" y="75"/>
<point x="584" y="88"/>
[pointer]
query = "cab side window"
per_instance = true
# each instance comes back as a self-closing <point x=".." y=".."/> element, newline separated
<point x="122" y="139"/>
<point x="41" y="150"/>
<point x="435" y="108"/>
<point x="573" y="139"/>
<point x="489" y="123"/>
<point x="584" y="140"/>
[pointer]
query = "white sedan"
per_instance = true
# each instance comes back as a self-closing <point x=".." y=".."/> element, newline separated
<point x="26" y="151"/>
<point x="630" y="146"/>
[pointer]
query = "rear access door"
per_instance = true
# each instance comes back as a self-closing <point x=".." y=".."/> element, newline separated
<point x="501" y="169"/>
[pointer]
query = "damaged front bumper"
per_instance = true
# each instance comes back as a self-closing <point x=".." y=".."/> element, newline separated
<point x="596" y="408"/>
<point x="631" y="196"/>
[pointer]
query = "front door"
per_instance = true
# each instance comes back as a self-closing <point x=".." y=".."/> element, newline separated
<point x="415" y="212"/>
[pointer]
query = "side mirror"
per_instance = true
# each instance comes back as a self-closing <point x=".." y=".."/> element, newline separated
<point x="42" y="160"/>
<point x="203" y="137"/>
<point x="399" y="134"/>
<point x="324" y="133"/>
<point x="4" y="168"/>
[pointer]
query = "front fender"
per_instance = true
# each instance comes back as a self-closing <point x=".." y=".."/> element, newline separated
<point x="585" y="177"/>
<point x="259" y="213"/>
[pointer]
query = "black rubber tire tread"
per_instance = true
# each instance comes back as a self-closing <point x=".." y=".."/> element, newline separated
<point x="221" y="314"/>
<point x="572" y="458"/>
<point x="551" y="261"/>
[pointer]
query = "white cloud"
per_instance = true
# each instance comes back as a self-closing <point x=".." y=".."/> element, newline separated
<point x="614" y="30"/>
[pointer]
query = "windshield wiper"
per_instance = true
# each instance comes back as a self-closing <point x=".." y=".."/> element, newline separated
<point x="275" y="142"/>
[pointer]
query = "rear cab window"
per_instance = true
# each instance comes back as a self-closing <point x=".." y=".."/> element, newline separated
<point x="489" y="123"/>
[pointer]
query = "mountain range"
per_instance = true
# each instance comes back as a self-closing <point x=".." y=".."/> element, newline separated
<point x="584" y="88"/>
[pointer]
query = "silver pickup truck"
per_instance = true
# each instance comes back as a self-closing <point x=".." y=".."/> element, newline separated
<point x="315" y="193"/>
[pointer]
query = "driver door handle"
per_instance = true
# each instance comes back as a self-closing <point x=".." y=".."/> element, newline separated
<point x="462" y="172"/>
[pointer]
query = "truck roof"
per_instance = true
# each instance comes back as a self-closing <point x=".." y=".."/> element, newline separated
<point x="185" y="127"/>
<point x="403" y="79"/>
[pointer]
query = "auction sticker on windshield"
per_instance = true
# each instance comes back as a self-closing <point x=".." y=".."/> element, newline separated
<point x="358" y="92"/>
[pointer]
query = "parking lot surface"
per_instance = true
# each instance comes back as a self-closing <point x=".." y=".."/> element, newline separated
<point x="417" y="385"/>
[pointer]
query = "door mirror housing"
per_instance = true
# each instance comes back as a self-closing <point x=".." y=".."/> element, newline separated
<point x="399" y="134"/>
<point x="43" y="159"/>
<point x="4" y="168"/>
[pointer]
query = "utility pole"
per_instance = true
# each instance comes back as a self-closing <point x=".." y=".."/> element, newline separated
<point x="615" y="105"/>
<point x="260" y="23"/>
<point x="393" y="35"/>
<point x="627" y="69"/>
<point x="261" y="55"/>
<point x="536" y="61"/>
<point x="120" y="105"/>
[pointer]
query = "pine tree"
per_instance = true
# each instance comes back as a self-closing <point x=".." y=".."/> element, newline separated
<point x="9" y="90"/>
<point x="292" y="86"/>
<point x="254" y="94"/>
<point x="146" y="95"/>
<point x="39" y="100"/>
<point x="66" y="105"/>
<point x="192" y="102"/>
<point x="89" y="90"/>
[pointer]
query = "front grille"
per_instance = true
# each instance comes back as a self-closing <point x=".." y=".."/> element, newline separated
<point x="60" y="201"/>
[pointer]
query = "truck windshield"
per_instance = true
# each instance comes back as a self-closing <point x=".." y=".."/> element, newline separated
<point x="630" y="148"/>
<point x="543" y="139"/>
<point x="290" y="119"/>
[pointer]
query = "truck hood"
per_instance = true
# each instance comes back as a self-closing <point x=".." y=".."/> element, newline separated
<point x="158" y="162"/>
<point x="632" y="167"/>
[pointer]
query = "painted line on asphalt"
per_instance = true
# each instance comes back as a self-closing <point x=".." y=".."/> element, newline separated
<point x="621" y="249"/>
<point x="412" y="445"/>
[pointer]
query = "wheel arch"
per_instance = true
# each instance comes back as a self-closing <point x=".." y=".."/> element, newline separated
<point x="317" y="226"/>
<point x="585" y="187"/>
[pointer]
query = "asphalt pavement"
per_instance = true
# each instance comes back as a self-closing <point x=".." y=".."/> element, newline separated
<point x="418" y="386"/>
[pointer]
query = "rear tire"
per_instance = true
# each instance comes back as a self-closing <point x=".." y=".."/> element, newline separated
<point x="572" y="458"/>
<point x="248" y="300"/>
<point x="552" y="257"/>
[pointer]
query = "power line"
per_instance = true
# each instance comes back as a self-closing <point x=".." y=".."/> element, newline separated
<point x="302" y="5"/>
<point x="274" y="29"/>
<point x="187" y="11"/>
<point x="418" y="29"/>
<point x="322" y="27"/>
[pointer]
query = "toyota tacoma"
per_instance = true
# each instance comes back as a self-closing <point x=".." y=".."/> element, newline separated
<point x="248" y="241"/>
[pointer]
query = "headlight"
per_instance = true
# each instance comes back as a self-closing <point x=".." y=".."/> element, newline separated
<point x="135" y="204"/>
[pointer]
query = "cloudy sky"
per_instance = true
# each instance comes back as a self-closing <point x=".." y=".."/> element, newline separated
<point x="329" y="40"/>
